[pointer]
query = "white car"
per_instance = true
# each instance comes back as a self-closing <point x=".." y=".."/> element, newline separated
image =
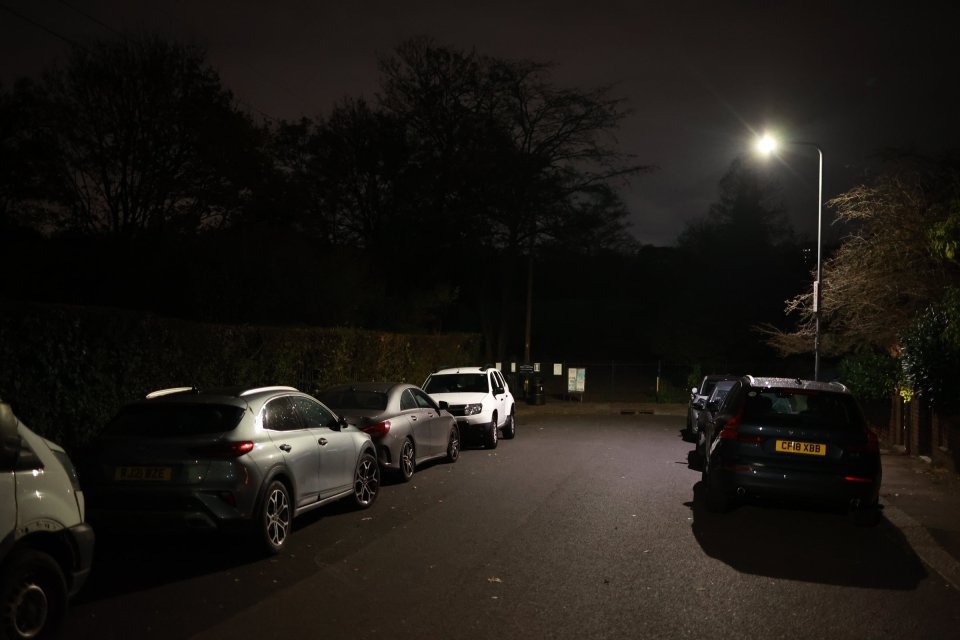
<point x="479" y="398"/>
<point x="47" y="548"/>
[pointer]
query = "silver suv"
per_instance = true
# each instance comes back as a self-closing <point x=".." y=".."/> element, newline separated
<point x="224" y="459"/>
<point x="479" y="398"/>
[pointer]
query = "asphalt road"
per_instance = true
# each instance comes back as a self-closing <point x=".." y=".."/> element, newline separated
<point x="581" y="527"/>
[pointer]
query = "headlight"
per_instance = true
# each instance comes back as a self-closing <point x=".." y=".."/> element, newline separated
<point x="472" y="409"/>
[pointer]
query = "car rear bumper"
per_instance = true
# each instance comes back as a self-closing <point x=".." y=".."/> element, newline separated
<point x="834" y="487"/>
<point x="170" y="512"/>
<point x="386" y="457"/>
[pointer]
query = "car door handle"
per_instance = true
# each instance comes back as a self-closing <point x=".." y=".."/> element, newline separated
<point x="322" y="441"/>
<point x="286" y="448"/>
<point x="414" y="418"/>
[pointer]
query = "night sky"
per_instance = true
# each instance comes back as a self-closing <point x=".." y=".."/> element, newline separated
<point x="701" y="77"/>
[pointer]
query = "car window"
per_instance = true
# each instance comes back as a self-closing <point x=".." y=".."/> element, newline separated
<point x="721" y="391"/>
<point x="27" y="459"/>
<point x="174" y="420"/>
<point x="407" y="401"/>
<point x="498" y="383"/>
<point x="281" y="415"/>
<point x="423" y="400"/>
<point x="314" y="414"/>
<point x="707" y="387"/>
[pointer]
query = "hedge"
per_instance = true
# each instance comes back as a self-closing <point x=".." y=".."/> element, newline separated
<point x="66" y="370"/>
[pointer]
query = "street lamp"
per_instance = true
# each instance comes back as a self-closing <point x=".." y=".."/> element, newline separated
<point x="767" y="145"/>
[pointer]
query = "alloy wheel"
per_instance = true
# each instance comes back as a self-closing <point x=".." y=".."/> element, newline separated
<point x="277" y="515"/>
<point x="367" y="481"/>
<point x="407" y="461"/>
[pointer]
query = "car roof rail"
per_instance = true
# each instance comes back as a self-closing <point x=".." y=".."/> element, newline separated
<point x="250" y="392"/>
<point x="166" y="392"/>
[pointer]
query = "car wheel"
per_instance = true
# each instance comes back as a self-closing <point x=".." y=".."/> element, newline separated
<point x="408" y="460"/>
<point x="510" y="428"/>
<point x="717" y="500"/>
<point x="366" y="481"/>
<point x="453" y="445"/>
<point x="701" y="450"/>
<point x="490" y="439"/>
<point x="275" y="517"/>
<point x="33" y="597"/>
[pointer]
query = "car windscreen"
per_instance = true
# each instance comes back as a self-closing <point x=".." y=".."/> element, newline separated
<point x="174" y="420"/>
<point x="339" y="399"/>
<point x="457" y="383"/>
<point x="802" y="408"/>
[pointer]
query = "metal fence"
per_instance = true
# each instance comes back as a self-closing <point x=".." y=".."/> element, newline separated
<point x="612" y="381"/>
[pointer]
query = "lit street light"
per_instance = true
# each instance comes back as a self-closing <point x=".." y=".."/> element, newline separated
<point x="767" y="145"/>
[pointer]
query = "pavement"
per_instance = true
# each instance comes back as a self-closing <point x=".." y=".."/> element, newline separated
<point x="919" y="499"/>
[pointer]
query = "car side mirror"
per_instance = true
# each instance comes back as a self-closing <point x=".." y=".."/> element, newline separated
<point x="698" y="404"/>
<point x="443" y="404"/>
<point x="340" y="424"/>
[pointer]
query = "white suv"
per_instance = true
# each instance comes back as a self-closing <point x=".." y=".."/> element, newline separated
<point x="47" y="547"/>
<point x="479" y="398"/>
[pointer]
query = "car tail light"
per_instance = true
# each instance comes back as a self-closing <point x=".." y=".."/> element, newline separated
<point x="858" y="479"/>
<point x="225" y="449"/>
<point x="378" y="428"/>
<point x="729" y="430"/>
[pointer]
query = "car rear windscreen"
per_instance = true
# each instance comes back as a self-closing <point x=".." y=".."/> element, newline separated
<point x="174" y="420"/>
<point x="802" y="408"/>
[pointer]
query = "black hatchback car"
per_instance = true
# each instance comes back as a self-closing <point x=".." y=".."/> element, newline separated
<point x="792" y="438"/>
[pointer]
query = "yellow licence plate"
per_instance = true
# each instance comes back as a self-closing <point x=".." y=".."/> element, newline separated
<point x="143" y="474"/>
<point x="809" y="448"/>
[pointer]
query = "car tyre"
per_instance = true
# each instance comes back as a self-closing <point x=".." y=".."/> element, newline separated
<point x="510" y="428"/>
<point x="453" y="445"/>
<point x="275" y="517"/>
<point x="408" y="460"/>
<point x="717" y="500"/>
<point x="366" y="481"/>
<point x="491" y="437"/>
<point x="700" y="452"/>
<point x="33" y="600"/>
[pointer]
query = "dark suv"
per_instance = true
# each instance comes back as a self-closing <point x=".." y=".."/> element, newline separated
<point x="792" y="438"/>
<point x="698" y="399"/>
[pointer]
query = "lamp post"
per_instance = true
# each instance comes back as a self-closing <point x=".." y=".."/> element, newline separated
<point x="768" y="145"/>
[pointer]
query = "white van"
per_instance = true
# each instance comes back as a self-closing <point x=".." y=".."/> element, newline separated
<point x="46" y="548"/>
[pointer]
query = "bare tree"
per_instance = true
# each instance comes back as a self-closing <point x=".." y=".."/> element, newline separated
<point x="141" y="135"/>
<point x="509" y="160"/>
<point x="884" y="273"/>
